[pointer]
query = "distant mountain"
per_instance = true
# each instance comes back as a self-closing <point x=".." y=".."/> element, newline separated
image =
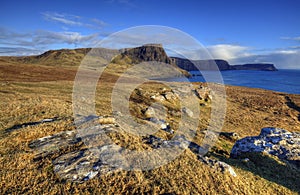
<point x="222" y="65"/>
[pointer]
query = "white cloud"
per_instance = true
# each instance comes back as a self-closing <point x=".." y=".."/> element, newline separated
<point x="62" y="18"/>
<point x="286" y="51"/>
<point x="236" y="54"/>
<point x="18" y="51"/>
<point x="49" y="37"/>
<point x="227" y="52"/>
<point x="73" y="20"/>
<point x="13" y="43"/>
<point x="291" y="38"/>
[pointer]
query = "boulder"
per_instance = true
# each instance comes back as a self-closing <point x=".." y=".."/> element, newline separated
<point x="275" y="141"/>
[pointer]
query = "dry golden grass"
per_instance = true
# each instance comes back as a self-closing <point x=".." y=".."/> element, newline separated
<point x="46" y="92"/>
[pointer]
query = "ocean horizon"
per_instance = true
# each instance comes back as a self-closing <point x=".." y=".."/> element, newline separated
<point x="283" y="80"/>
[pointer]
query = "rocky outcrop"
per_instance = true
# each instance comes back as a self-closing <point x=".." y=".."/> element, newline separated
<point x="218" y="64"/>
<point x="100" y="144"/>
<point x="275" y="141"/>
<point x="149" y="52"/>
<point x="82" y="164"/>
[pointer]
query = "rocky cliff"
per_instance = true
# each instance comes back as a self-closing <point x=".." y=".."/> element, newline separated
<point x="259" y="66"/>
<point x="218" y="64"/>
<point x="200" y="64"/>
<point x="148" y="52"/>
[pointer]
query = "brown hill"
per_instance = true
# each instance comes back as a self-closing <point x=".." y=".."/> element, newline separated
<point x="62" y="57"/>
<point x="71" y="58"/>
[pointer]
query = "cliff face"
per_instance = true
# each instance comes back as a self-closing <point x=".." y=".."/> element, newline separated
<point x="149" y="52"/>
<point x="218" y="65"/>
<point x="200" y="64"/>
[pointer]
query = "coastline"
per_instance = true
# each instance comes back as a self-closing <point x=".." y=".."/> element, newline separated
<point x="282" y="81"/>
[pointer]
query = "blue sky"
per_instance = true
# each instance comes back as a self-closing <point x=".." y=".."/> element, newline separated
<point x="237" y="31"/>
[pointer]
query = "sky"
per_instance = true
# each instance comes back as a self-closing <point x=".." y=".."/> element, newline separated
<point x="238" y="31"/>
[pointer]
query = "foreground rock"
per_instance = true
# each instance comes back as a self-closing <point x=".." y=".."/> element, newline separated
<point x="74" y="161"/>
<point x="275" y="141"/>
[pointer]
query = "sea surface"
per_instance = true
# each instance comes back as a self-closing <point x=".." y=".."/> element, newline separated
<point x="287" y="81"/>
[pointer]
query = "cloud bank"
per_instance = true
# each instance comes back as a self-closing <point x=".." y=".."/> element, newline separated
<point x="73" y="20"/>
<point x="14" y="43"/>
<point x="38" y="41"/>
<point x="235" y="54"/>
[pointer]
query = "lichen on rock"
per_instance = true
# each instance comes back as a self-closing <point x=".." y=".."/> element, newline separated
<point x="274" y="141"/>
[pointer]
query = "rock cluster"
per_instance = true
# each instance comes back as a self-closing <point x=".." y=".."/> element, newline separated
<point x="275" y="141"/>
<point x="83" y="164"/>
<point x="75" y="162"/>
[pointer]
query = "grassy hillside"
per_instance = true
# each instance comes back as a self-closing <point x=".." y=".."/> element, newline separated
<point x="33" y="89"/>
<point x="62" y="57"/>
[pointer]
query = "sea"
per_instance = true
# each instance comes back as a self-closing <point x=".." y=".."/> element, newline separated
<point x="283" y="80"/>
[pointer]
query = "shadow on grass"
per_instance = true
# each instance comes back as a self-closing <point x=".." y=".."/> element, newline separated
<point x="292" y="105"/>
<point x="268" y="168"/>
<point x="19" y="126"/>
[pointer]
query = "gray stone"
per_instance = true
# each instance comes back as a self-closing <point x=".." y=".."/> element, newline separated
<point x="275" y="141"/>
<point x="85" y="164"/>
<point x="50" y="144"/>
<point x="163" y="125"/>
